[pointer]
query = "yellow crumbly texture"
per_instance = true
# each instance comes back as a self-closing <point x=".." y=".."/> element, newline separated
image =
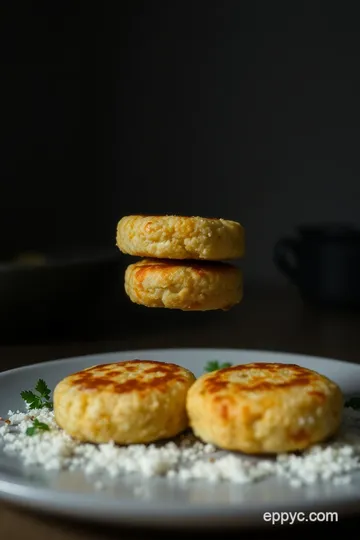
<point x="264" y="408"/>
<point x="183" y="285"/>
<point x="178" y="237"/>
<point x="129" y="402"/>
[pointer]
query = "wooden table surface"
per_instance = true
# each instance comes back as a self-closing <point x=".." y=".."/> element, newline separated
<point x="267" y="319"/>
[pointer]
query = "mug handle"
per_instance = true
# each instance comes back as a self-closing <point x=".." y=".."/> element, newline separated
<point x="282" y="249"/>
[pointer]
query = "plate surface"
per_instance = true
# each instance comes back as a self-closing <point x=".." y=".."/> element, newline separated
<point x="163" y="503"/>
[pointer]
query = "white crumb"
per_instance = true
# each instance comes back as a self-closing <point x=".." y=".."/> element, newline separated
<point x="184" y="459"/>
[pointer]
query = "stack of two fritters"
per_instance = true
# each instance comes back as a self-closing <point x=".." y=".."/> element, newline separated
<point x="183" y="261"/>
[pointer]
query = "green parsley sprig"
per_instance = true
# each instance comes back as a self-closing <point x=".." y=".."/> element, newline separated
<point x="37" y="426"/>
<point x="214" y="365"/>
<point x="40" y="399"/>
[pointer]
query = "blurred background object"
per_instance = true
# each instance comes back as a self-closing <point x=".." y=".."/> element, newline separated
<point x="323" y="261"/>
<point x="59" y="295"/>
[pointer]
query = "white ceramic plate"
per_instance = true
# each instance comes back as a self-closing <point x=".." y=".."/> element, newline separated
<point x="198" y="504"/>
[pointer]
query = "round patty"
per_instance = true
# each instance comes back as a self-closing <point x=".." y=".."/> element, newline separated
<point x="264" y="408"/>
<point x="183" y="285"/>
<point x="179" y="237"/>
<point x="130" y="402"/>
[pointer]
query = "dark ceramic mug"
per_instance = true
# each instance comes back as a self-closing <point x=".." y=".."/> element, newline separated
<point x="323" y="261"/>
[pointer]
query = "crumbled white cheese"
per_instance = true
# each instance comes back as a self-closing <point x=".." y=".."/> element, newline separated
<point x="183" y="459"/>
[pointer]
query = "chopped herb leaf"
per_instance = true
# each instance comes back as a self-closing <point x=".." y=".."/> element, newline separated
<point x="37" y="426"/>
<point x="31" y="399"/>
<point x="214" y="365"/>
<point x="39" y="400"/>
<point x="43" y="389"/>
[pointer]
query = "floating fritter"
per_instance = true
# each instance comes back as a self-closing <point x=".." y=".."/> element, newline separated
<point x="180" y="237"/>
<point x="183" y="285"/>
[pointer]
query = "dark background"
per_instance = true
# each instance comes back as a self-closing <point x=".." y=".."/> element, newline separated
<point x="246" y="112"/>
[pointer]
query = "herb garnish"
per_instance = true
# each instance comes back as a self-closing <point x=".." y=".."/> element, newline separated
<point x="214" y="365"/>
<point x="37" y="426"/>
<point x="39" y="401"/>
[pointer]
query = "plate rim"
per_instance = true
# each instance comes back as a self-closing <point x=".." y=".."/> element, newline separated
<point x="154" y="350"/>
<point x="196" y="516"/>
